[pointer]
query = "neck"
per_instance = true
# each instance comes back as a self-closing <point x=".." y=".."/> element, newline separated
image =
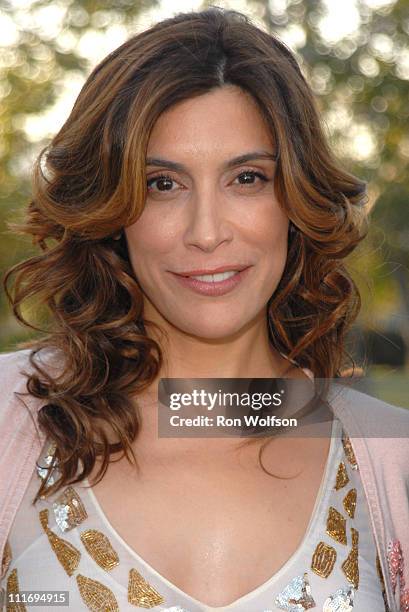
<point x="245" y="355"/>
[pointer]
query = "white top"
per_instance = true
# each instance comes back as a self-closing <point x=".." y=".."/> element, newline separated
<point x="38" y="567"/>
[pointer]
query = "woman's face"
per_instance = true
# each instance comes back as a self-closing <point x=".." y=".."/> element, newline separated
<point x="207" y="210"/>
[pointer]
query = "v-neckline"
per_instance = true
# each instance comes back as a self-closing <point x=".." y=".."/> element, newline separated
<point x="320" y="499"/>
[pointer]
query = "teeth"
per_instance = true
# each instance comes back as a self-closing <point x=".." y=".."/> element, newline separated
<point x="216" y="278"/>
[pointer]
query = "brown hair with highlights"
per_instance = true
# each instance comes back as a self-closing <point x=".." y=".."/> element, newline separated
<point x="90" y="182"/>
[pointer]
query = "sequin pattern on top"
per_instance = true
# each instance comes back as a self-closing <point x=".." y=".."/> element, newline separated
<point x="66" y="553"/>
<point x="342" y="477"/>
<point x="140" y="592"/>
<point x="296" y="595"/>
<point x="395" y="562"/>
<point x="47" y="466"/>
<point x="336" y="525"/>
<point x="323" y="559"/>
<point x="404" y="600"/>
<point x="304" y="592"/>
<point x="341" y="601"/>
<point x="350" y="565"/>
<point x="69" y="510"/>
<point x="13" y="589"/>
<point x="349" y="451"/>
<point x="96" y="596"/>
<point x="349" y="502"/>
<point x="100" y="549"/>
<point x="395" y="566"/>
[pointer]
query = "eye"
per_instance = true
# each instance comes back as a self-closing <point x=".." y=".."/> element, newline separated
<point x="164" y="183"/>
<point x="247" y="177"/>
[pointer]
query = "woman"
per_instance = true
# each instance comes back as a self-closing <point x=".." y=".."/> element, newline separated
<point x="193" y="224"/>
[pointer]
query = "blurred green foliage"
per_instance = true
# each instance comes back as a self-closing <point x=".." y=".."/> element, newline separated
<point x="41" y="49"/>
<point x="360" y="79"/>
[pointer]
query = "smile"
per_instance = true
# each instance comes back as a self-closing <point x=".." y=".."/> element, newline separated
<point x="215" y="278"/>
<point x="213" y="284"/>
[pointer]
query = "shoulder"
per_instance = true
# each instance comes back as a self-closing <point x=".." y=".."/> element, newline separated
<point x="21" y="438"/>
<point x="10" y="365"/>
<point x="15" y="364"/>
<point x="371" y="414"/>
<point x="383" y="426"/>
<point x="381" y="448"/>
<point x="15" y="368"/>
<point x="17" y="407"/>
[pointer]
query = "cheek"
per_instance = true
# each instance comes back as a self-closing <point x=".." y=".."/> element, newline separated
<point x="150" y="237"/>
<point x="270" y="232"/>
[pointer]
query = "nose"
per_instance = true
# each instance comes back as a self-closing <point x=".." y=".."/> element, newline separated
<point x="208" y="224"/>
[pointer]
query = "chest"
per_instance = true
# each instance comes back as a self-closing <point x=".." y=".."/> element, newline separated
<point x="214" y="529"/>
<point x="205" y="534"/>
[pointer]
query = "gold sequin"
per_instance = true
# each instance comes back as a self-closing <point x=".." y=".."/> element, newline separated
<point x="5" y="562"/>
<point x="323" y="559"/>
<point x="350" y="502"/>
<point x="141" y="593"/>
<point x="66" y="553"/>
<point x="349" y="452"/>
<point x="100" y="549"/>
<point x="336" y="526"/>
<point x="69" y="510"/>
<point x="342" y="478"/>
<point x="13" y="588"/>
<point x="350" y="565"/>
<point x="96" y="596"/>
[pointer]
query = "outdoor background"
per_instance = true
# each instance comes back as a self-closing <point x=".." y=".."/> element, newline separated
<point x="355" y="55"/>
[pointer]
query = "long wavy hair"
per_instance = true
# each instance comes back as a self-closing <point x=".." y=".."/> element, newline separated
<point x="90" y="183"/>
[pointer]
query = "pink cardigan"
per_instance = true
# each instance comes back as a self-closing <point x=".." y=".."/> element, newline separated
<point x="383" y="463"/>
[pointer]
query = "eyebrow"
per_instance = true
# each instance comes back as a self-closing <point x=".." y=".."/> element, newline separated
<point x="231" y="163"/>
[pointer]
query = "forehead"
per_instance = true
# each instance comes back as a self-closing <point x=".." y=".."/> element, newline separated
<point x="221" y="122"/>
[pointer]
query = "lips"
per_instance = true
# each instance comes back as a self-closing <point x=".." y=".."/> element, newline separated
<point x="215" y="287"/>
<point x="235" y="267"/>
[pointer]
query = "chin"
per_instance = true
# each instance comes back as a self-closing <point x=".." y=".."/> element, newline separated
<point x="214" y="329"/>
